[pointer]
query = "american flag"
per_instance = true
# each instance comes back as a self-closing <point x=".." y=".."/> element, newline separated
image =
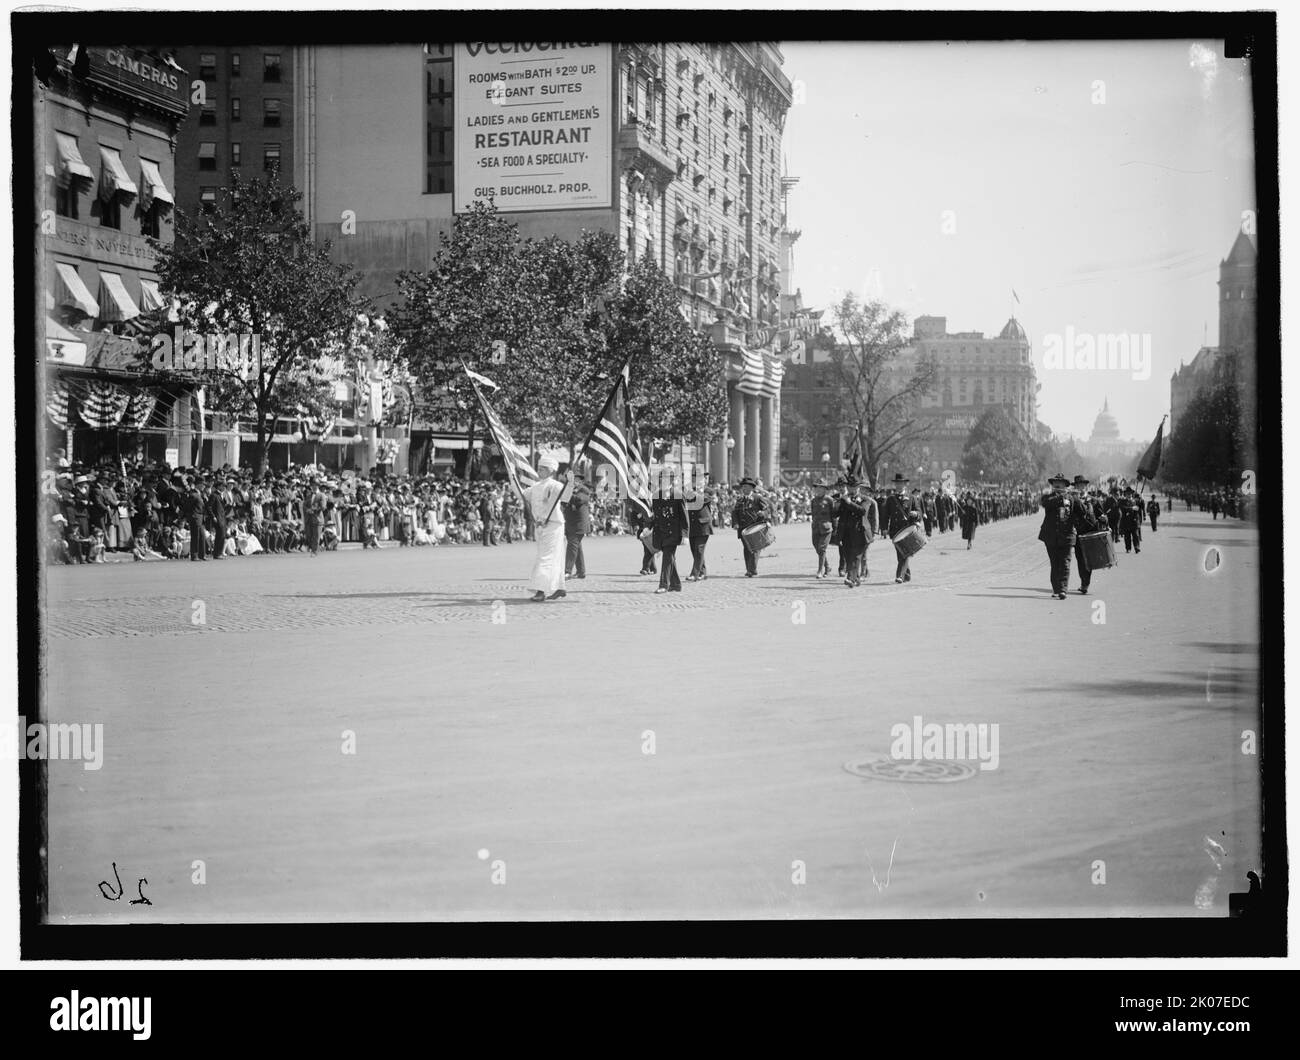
<point x="615" y="440"/>
<point x="761" y="374"/>
<point x="521" y="472"/>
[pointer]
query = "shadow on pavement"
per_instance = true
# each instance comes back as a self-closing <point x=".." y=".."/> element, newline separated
<point x="1224" y="649"/>
<point x="1214" y="690"/>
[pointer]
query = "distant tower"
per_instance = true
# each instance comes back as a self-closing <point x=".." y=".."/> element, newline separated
<point x="1237" y="298"/>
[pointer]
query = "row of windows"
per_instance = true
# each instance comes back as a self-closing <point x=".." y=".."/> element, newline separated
<point x="270" y="66"/>
<point x="67" y="204"/>
<point x="270" y="112"/>
<point x="208" y="156"/>
<point x="439" y="155"/>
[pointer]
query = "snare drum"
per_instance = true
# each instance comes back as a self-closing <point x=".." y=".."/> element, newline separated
<point x="757" y="537"/>
<point x="910" y="540"/>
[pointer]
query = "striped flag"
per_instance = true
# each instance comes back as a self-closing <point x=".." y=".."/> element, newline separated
<point x="614" y="439"/>
<point x="521" y="472"/>
<point x="753" y="372"/>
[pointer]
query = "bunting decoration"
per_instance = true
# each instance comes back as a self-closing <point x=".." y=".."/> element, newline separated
<point x="56" y="403"/>
<point x="103" y="404"/>
<point x="139" y="410"/>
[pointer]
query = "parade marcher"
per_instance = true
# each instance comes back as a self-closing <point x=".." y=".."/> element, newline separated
<point x="487" y="514"/>
<point x="640" y="522"/>
<point x="193" y="506"/>
<point x="700" y="510"/>
<point x="852" y="528"/>
<point x="1058" y="532"/>
<point x="1088" y="518"/>
<point x="577" y="525"/>
<point x="897" y="516"/>
<point x="547" y="580"/>
<point x="1130" y="522"/>
<point x="749" y="509"/>
<point x="823" y="525"/>
<point x="1153" y="510"/>
<point x="929" y="510"/>
<point x="969" y="516"/>
<point x="1114" y="508"/>
<point x="671" y="526"/>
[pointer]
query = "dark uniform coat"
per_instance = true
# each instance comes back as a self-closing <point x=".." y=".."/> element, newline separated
<point x="670" y="522"/>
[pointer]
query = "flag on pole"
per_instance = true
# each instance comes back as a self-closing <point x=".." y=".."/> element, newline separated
<point x="615" y="440"/>
<point x="521" y="472"/>
<point x="1149" y="465"/>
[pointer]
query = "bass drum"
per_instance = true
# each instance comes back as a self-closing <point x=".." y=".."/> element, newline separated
<point x="910" y="541"/>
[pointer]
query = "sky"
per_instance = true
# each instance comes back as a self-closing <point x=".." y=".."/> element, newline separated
<point x="1102" y="182"/>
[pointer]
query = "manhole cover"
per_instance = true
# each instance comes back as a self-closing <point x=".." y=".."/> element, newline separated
<point x="911" y="770"/>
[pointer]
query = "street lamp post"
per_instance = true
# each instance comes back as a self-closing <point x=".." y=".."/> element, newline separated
<point x="731" y="445"/>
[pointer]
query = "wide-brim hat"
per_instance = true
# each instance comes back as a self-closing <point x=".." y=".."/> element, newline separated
<point x="901" y="480"/>
<point x="821" y="484"/>
<point x="1079" y="480"/>
<point x="852" y="480"/>
<point x="747" y="482"/>
<point x="1058" y="480"/>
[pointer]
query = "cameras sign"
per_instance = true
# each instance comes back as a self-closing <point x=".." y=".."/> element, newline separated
<point x="534" y="128"/>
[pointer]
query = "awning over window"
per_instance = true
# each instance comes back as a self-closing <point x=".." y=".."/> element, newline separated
<point x="117" y="304"/>
<point x="154" y="190"/>
<point x="71" y="164"/>
<point x="151" y="299"/>
<point x="113" y="179"/>
<point x="71" y="293"/>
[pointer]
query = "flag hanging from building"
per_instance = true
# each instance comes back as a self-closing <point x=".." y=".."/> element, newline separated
<point x="760" y="374"/>
<point x="521" y="472"/>
<point x="615" y="440"/>
<point x="1149" y="465"/>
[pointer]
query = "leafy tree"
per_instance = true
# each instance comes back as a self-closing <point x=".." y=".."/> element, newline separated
<point x="1209" y="440"/>
<point x="998" y="450"/>
<point x="251" y="267"/>
<point x="677" y="379"/>
<point x="879" y="387"/>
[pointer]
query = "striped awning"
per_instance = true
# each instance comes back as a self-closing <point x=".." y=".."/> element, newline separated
<point x="71" y="293"/>
<point x="153" y="188"/>
<point x="116" y="304"/>
<point x="71" y="164"/>
<point x="114" y="179"/>
<point x="151" y="299"/>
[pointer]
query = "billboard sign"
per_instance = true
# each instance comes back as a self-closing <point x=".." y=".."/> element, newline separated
<point x="534" y="125"/>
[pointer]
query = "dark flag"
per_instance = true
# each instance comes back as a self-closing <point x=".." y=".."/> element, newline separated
<point x="1149" y="465"/>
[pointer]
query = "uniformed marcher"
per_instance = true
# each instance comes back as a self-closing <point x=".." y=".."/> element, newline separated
<point x="1130" y="521"/>
<point x="1153" y="510"/>
<point x="1089" y="519"/>
<point x="749" y="509"/>
<point x="577" y="525"/>
<point x="1058" y="532"/>
<point x="699" y="506"/>
<point x="851" y="516"/>
<point x="823" y="512"/>
<point x="896" y="516"/>
<point x="671" y="527"/>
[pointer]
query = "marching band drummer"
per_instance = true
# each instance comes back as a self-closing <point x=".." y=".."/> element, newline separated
<point x="897" y="517"/>
<point x="749" y="509"/>
<point x="1089" y="520"/>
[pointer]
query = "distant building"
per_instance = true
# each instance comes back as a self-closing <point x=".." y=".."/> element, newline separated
<point x="108" y="122"/>
<point x="246" y="124"/>
<point x="1105" y="444"/>
<point x="1238" y="336"/>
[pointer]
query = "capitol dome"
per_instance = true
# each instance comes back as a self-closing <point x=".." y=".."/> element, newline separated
<point x="1013" y="330"/>
<point x="1106" y="428"/>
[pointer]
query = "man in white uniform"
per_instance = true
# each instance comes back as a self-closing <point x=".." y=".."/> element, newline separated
<point x="548" y="570"/>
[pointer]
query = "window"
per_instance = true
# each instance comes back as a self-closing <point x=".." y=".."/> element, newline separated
<point x="234" y="64"/>
<point x="110" y="213"/>
<point x="234" y="109"/>
<point x="207" y="199"/>
<point x="236" y="152"/>
<point x="439" y="154"/>
<point x="271" y="67"/>
<point x="207" y="156"/>
<point x="149" y="221"/>
<point x="208" y="115"/>
<point x="271" y="158"/>
<point x="271" y="113"/>
<point x="65" y="200"/>
<point x="208" y="66"/>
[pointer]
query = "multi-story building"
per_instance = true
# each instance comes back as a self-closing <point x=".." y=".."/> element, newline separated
<point x="1238" y="330"/>
<point x="675" y="148"/>
<point x="108" y="124"/>
<point x="975" y="373"/>
<point x="244" y="125"/>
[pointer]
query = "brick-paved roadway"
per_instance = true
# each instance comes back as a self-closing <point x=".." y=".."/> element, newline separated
<point x="526" y="738"/>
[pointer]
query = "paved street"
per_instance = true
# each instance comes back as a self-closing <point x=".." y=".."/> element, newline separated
<point x="498" y="737"/>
